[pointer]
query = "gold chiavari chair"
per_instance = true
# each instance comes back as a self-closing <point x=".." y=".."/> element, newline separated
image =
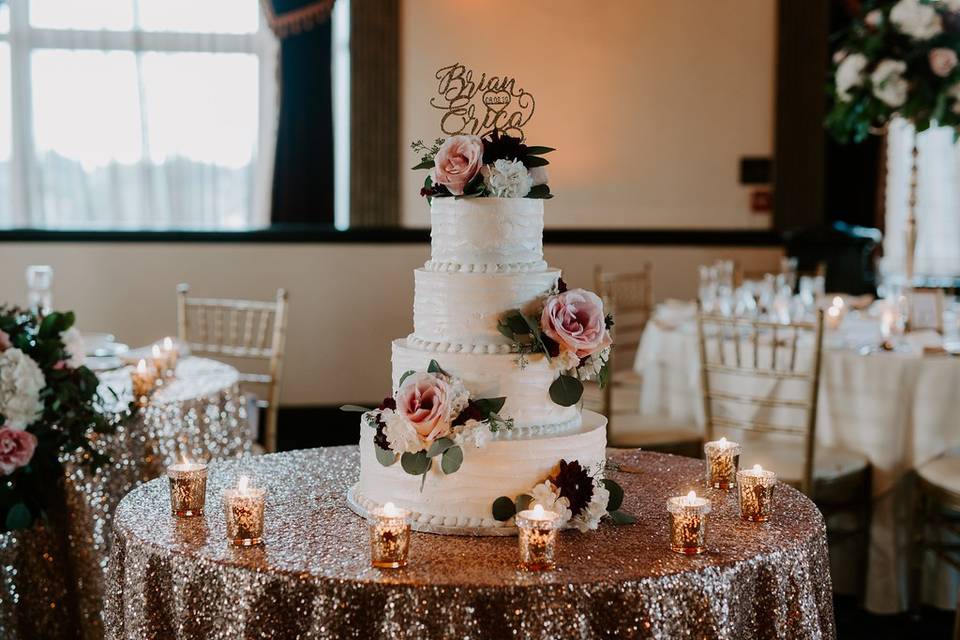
<point x="936" y="521"/>
<point x="760" y="384"/>
<point x="629" y="297"/>
<point x="243" y="330"/>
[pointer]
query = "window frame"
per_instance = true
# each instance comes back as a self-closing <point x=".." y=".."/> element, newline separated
<point x="23" y="39"/>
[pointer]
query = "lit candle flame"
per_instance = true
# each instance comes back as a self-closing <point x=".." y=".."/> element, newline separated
<point x="390" y="510"/>
<point x="691" y="497"/>
<point x="538" y="511"/>
<point x="168" y="344"/>
<point x="757" y="468"/>
<point x="837" y="301"/>
<point x="142" y="367"/>
<point x="243" y="484"/>
<point x="723" y="442"/>
<point x="155" y="351"/>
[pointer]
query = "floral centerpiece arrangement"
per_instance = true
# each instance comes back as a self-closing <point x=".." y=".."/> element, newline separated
<point x="431" y="415"/>
<point x="496" y="165"/>
<point x="581" y="496"/>
<point x="49" y="408"/>
<point x="898" y="58"/>
<point x="571" y="330"/>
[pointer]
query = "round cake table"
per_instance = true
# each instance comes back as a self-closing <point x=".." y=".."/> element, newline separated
<point x="178" y="578"/>
<point x="53" y="581"/>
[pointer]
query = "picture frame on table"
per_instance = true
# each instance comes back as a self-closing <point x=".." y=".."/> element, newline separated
<point x="925" y="310"/>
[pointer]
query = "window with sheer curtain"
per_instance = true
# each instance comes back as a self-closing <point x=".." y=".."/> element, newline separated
<point x="938" y="200"/>
<point x="136" y="114"/>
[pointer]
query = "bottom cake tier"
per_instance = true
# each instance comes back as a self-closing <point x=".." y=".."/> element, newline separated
<point x="461" y="503"/>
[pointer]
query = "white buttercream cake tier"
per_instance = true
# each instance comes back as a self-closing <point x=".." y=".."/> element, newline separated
<point x="462" y="501"/>
<point x="460" y="311"/>
<point x="486" y="235"/>
<point x="497" y="375"/>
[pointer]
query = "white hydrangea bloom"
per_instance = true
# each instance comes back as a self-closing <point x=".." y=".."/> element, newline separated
<point x="546" y="495"/>
<point x="20" y="383"/>
<point x="918" y="20"/>
<point x="401" y="435"/>
<point x="75" y="347"/>
<point x="507" y="179"/>
<point x="473" y="433"/>
<point x="889" y="85"/>
<point x="590" y="517"/>
<point x="590" y="368"/>
<point x="458" y="400"/>
<point x="567" y="360"/>
<point x="850" y="74"/>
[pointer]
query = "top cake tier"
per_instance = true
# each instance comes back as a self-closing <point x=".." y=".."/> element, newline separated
<point x="486" y="235"/>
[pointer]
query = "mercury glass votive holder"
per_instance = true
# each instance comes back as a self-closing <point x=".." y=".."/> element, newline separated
<point x="243" y="511"/>
<point x="537" y="534"/>
<point x="688" y="524"/>
<point x="389" y="537"/>
<point x="756" y="493"/>
<point x="188" y="488"/>
<point x="723" y="461"/>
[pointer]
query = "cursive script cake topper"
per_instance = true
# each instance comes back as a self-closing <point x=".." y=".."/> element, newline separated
<point x="478" y="106"/>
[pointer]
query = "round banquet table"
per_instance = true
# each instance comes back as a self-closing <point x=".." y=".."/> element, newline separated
<point x="54" y="574"/>
<point x="178" y="578"/>
<point x="897" y="409"/>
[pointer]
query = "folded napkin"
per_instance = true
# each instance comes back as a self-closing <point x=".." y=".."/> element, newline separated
<point x="672" y="313"/>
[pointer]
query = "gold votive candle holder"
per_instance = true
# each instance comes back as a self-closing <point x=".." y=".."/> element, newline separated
<point x="243" y="509"/>
<point x="756" y="493"/>
<point x="142" y="379"/>
<point x="723" y="461"/>
<point x="188" y="488"/>
<point x="172" y="355"/>
<point x="389" y="537"/>
<point x="688" y="523"/>
<point x="537" y="536"/>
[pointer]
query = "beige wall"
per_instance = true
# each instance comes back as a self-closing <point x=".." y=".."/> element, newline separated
<point x="650" y="103"/>
<point x="347" y="301"/>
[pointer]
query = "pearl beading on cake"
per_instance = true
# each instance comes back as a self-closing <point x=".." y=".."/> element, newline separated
<point x="457" y="347"/>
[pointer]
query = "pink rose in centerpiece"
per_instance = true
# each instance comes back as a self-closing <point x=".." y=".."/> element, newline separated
<point x="4" y="341"/>
<point x="458" y="162"/>
<point x="574" y="319"/>
<point x="16" y="449"/>
<point x="942" y="61"/>
<point x="423" y="400"/>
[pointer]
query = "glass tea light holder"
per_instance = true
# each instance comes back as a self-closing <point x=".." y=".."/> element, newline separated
<point x="171" y="355"/>
<point x="243" y="511"/>
<point x="723" y="461"/>
<point x="143" y="379"/>
<point x="833" y="317"/>
<point x="756" y="493"/>
<point x="389" y="536"/>
<point x="538" y="530"/>
<point x="188" y="488"/>
<point x="688" y="523"/>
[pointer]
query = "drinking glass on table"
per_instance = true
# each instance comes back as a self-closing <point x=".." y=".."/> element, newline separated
<point x="707" y="291"/>
<point x="39" y="283"/>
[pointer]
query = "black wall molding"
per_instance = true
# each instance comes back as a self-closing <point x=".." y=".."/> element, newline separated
<point x="317" y="234"/>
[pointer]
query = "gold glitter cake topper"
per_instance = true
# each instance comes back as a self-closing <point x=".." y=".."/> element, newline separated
<point x="478" y="106"/>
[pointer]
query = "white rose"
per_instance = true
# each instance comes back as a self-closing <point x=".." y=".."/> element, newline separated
<point x="915" y="19"/>
<point x="850" y="74"/>
<point x="20" y="383"/>
<point x="401" y="435"/>
<point x="507" y="179"/>
<point x="75" y="347"/>
<point x="889" y="85"/>
<point x="546" y="495"/>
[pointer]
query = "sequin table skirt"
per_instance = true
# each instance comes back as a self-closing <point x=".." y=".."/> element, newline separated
<point x="53" y="575"/>
<point x="178" y="578"/>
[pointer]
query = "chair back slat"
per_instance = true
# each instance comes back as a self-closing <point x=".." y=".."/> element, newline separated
<point x="777" y="386"/>
<point x="243" y="329"/>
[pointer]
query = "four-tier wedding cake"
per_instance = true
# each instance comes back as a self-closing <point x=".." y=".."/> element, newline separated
<point x="484" y="417"/>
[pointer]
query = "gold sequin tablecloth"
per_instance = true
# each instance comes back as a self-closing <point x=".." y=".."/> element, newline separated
<point x="178" y="578"/>
<point x="53" y="576"/>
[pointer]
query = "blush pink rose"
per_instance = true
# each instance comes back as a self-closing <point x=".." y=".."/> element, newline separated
<point x="942" y="61"/>
<point x="423" y="401"/>
<point x="16" y="449"/>
<point x="4" y="341"/>
<point x="574" y="319"/>
<point x="457" y="162"/>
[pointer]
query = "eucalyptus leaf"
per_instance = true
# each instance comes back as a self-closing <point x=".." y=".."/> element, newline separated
<point x="566" y="391"/>
<point x="18" y="517"/>
<point x="616" y="494"/>
<point x="406" y="374"/>
<point x="603" y="378"/>
<point x="539" y="151"/>
<point x="505" y="330"/>
<point x="415" y="463"/>
<point x="540" y="191"/>
<point x="385" y="456"/>
<point x="439" y="446"/>
<point x="354" y="408"/>
<point x="426" y="164"/>
<point x="503" y="509"/>
<point x="451" y="460"/>
<point x="488" y="406"/>
<point x="523" y="502"/>
<point x="434" y="367"/>
<point x="622" y="517"/>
